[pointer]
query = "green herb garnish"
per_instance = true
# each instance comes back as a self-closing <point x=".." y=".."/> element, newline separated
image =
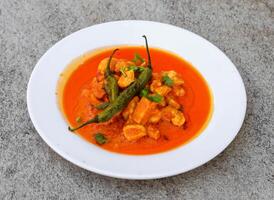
<point x="155" y="98"/>
<point x="102" y="106"/>
<point x="167" y="80"/>
<point x="123" y="71"/>
<point x="100" y="138"/>
<point x="144" y="92"/>
<point x="78" y="119"/>
<point x="133" y="67"/>
<point x="137" y="57"/>
<point x="136" y="68"/>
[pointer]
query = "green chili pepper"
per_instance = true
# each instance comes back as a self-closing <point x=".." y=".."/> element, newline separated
<point x="102" y="106"/>
<point x="111" y="85"/>
<point x="124" y="98"/>
<point x="148" y="53"/>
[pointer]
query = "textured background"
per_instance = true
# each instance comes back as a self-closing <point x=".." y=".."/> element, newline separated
<point x="244" y="30"/>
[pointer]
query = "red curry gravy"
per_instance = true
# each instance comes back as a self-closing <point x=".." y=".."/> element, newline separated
<point x="197" y="102"/>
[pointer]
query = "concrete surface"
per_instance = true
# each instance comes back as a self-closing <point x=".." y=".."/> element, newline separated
<point x="244" y="30"/>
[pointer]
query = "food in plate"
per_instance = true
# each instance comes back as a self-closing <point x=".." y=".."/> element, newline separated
<point x="134" y="99"/>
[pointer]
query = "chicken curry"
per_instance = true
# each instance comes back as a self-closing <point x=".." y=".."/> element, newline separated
<point x="134" y="99"/>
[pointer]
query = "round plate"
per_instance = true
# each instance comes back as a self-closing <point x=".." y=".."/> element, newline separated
<point x="222" y="76"/>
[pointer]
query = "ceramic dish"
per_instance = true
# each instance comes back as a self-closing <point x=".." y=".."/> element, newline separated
<point x="229" y="100"/>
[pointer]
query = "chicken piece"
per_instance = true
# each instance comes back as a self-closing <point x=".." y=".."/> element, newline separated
<point x="130" y="107"/>
<point x="125" y="81"/>
<point x="144" y="64"/>
<point x="178" y="91"/>
<point x="174" y="76"/>
<point x="173" y="103"/>
<point x="134" y="132"/>
<point x="155" y="116"/>
<point x="87" y="94"/>
<point x="100" y="77"/>
<point x="167" y="113"/>
<point x="93" y="100"/>
<point x="178" y="81"/>
<point x="143" y="110"/>
<point x="103" y="65"/>
<point x="129" y="121"/>
<point x="178" y="119"/>
<point x="171" y="74"/>
<point x="175" y="116"/>
<point x="97" y="88"/>
<point x="156" y="76"/>
<point x="122" y="64"/>
<point x="155" y="84"/>
<point x="163" y="90"/>
<point x="153" y="132"/>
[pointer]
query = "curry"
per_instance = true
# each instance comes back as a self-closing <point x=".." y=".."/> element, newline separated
<point x="134" y="99"/>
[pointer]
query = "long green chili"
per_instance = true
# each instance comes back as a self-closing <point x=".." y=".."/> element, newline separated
<point x="148" y="53"/>
<point x="102" y="106"/>
<point x="111" y="85"/>
<point x="125" y="96"/>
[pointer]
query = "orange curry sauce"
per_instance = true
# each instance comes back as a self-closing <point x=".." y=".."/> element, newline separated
<point x="197" y="102"/>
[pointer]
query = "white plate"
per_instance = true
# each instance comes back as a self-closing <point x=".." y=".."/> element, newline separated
<point x="222" y="76"/>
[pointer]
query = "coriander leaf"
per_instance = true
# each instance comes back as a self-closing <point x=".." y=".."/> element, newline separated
<point x="78" y="119"/>
<point x="167" y="80"/>
<point x="137" y="57"/>
<point x="141" y="69"/>
<point x="122" y="70"/>
<point x="155" y="98"/>
<point x="144" y="92"/>
<point x="133" y="67"/>
<point x="100" y="138"/>
<point x="102" y="106"/>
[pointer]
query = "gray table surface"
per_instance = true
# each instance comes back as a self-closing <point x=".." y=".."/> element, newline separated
<point x="244" y="30"/>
